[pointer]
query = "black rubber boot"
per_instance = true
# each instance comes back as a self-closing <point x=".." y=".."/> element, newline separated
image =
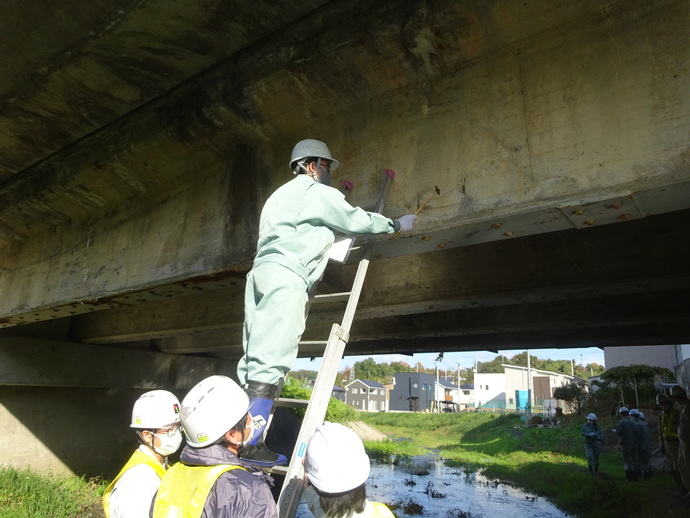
<point x="261" y="405"/>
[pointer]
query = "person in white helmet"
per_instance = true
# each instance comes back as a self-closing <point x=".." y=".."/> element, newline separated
<point x="211" y="481"/>
<point x="594" y="437"/>
<point x="296" y="232"/>
<point x="644" y="444"/>
<point x="156" y="419"/>
<point x="336" y="468"/>
<point x="628" y="437"/>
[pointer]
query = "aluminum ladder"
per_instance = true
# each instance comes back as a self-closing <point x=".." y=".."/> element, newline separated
<point x="291" y="492"/>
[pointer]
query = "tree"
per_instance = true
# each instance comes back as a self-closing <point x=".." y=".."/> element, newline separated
<point x="574" y="395"/>
<point x="636" y="381"/>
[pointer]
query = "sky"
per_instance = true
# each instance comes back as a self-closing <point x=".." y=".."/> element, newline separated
<point x="465" y="359"/>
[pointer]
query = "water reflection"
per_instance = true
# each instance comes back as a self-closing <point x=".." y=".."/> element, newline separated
<point x="424" y="486"/>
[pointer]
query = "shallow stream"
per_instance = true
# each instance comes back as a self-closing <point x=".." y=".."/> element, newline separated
<point x="424" y="486"/>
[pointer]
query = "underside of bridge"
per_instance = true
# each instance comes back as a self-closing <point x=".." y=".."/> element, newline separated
<point x="139" y="140"/>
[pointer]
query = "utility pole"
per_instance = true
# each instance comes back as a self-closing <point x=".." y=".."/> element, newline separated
<point x="474" y="370"/>
<point x="528" y="413"/>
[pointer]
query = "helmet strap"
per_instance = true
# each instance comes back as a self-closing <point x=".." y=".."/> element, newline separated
<point x="301" y="168"/>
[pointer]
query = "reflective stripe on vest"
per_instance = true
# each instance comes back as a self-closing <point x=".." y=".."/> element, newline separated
<point x="184" y="490"/>
<point x="137" y="458"/>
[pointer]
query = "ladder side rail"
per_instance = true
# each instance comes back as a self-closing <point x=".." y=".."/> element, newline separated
<point x="316" y="412"/>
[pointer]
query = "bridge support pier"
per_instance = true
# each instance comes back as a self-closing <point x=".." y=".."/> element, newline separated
<point x="66" y="407"/>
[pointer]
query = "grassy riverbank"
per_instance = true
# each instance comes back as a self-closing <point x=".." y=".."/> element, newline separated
<point x="549" y="462"/>
<point x="25" y="494"/>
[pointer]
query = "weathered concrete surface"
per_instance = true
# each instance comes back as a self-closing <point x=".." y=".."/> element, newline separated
<point x="528" y="124"/>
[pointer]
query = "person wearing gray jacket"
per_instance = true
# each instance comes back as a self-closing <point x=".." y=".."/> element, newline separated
<point x="644" y="444"/>
<point x="296" y="232"/>
<point x="628" y="436"/>
<point x="211" y="481"/>
<point x="594" y="437"/>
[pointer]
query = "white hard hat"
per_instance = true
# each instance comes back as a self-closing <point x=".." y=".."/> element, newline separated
<point x="335" y="461"/>
<point x="634" y="411"/>
<point x="641" y="416"/>
<point x="592" y="417"/>
<point x="211" y="408"/>
<point x="309" y="148"/>
<point x="155" y="409"/>
<point x="623" y="409"/>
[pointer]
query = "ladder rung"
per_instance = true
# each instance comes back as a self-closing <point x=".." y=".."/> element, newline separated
<point x="313" y="342"/>
<point x="331" y="297"/>
<point x="276" y="470"/>
<point x="292" y="403"/>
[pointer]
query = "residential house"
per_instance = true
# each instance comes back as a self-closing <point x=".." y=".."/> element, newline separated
<point x="366" y="395"/>
<point x="446" y="396"/>
<point x="338" y="393"/>
<point x="466" y="396"/>
<point x="413" y="392"/>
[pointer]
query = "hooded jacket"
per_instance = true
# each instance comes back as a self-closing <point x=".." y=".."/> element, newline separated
<point x="236" y="493"/>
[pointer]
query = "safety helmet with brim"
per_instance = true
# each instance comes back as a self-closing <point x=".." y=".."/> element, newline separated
<point x="211" y="408"/>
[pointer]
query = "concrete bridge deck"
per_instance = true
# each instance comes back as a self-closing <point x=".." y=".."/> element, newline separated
<point x="138" y="141"/>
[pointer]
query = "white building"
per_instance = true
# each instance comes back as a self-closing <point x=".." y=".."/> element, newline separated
<point x="490" y="390"/>
<point x="543" y="385"/>
<point x="653" y="355"/>
<point x="466" y="396"/>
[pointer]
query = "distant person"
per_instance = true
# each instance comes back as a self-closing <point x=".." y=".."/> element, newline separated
<point x="628" y="437"/>
<point x="668" y="439"/>
<point x="156" y="419"/>
<point x="680" y="397"/>
<point x="211" y="481"/>
<point x="594" y="437"/>
<point x="296" y="232"/>
<point x="336" y="468"/>
<point x="644" y="444"/>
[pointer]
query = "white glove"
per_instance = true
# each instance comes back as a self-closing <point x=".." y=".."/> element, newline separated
<point x="406" y="222"/>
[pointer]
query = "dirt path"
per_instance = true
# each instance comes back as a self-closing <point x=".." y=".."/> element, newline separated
<point x="366" y="432"/>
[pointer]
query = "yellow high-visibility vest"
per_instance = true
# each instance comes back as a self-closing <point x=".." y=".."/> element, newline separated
<point x="667" y="431"/>
<point x="184" y="490"/>
<point x="381" y="511"/>
<point x="137" y="457"/>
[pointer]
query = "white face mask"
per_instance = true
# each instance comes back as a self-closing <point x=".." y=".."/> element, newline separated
<point x="169" y="443"/>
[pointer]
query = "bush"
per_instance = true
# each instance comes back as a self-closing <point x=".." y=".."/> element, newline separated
<point x="337" y="412"/>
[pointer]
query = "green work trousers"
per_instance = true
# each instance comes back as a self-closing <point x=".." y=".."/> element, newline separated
<point x="274" y="304"/>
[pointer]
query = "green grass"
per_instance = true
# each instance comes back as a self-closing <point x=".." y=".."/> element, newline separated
<point x="549" y="462"/>
<point x="24" y="494"/>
